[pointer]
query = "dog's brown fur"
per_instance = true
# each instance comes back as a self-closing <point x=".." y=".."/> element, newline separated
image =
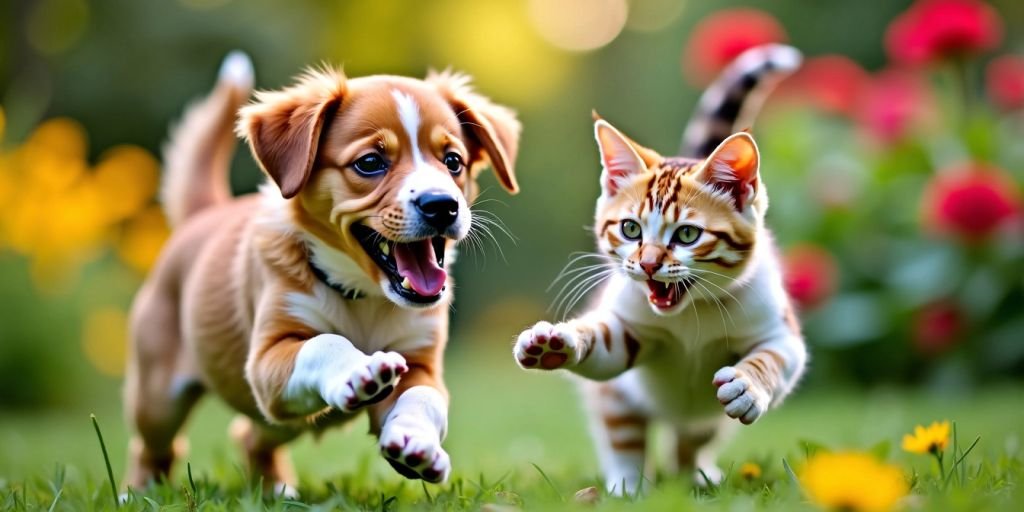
<point x="213" y="315"/>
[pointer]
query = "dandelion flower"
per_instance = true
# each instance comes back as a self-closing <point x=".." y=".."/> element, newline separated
<point x="931" y="439"/>
<point x="750" y="471"/>
<point x="852" y="482"/>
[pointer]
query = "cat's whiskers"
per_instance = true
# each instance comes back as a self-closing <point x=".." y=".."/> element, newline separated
<point x="733" y="280"/>
<point x="576" y="278"/>
<point x="723" y="311"/>
<point x="579" y="277"/>
<point x="594" y="281"/>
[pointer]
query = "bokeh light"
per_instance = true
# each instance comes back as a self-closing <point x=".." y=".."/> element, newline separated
<point x="579" y="25"/>
<point x="54" y="25"/>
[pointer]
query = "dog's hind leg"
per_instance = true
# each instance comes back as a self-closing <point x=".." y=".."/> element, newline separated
<point x="265" y="455"/>
<point x="160" y="387"/>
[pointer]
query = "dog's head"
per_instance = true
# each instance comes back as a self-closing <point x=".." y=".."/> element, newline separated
<point x="383" y="168"/>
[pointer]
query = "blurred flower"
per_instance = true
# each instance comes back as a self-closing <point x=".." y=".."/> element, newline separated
<point x="810" y="275"/>
<point x="750" y="471"/>
<point x="971" y="201"/>
<point x="832" y="83"/>
<point x="105" y="339"/>
<point x="892" y="101"/>
<point x="1005" y="81"/>
<point x="723" y="36"/>
<point x="852" y="482"/>
<point x="60" y="213"/>
<point x="936" y="328"/>
<point x="932" y="439"/>
<point x="934" y="29"/>
<point x="143" y="237"/>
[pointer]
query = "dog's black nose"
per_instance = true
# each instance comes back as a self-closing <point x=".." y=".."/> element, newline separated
<point x="438" y="208"/>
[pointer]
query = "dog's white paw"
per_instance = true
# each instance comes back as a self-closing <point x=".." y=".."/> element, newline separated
<point x="413" y="448"/>
<point x="368" y="383"/>
<point x="708" y="476"/>
<point x="285" y="491"/>
<point x="741" y="397"/>
<point x="547" y="347"/>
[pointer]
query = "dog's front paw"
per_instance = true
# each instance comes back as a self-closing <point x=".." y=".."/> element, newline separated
<point x="548" y="347"/>
<point x="368" y="383"/>
<point x="414" y="450"/>
<point x="742" y="398"/>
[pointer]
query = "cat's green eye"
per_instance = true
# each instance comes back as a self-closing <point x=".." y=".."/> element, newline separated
<point x="631" y="229"/>
<point x="687" y="235"/>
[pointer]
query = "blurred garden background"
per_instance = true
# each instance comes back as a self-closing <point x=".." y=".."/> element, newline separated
<point x="893" y="160"/>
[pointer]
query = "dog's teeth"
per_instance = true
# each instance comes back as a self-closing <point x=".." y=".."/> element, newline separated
<point x="406" y="284"/>
<point x="384" y="248"/>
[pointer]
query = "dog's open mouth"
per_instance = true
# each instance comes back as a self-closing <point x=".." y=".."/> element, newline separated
<point x="415" y="269"/>
<point x="666" y="296"/>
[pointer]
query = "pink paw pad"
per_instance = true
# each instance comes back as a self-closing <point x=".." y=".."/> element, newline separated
<point x="544" y="348"/>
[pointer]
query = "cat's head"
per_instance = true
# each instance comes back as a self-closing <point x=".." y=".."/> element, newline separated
<point x="682" y="229"/>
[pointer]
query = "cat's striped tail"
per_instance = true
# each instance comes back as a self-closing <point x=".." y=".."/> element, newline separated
<point x="734" y="99"/>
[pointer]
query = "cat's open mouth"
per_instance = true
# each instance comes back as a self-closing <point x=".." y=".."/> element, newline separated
<point x="667" y="295"/>
<point x="415" y="269"/>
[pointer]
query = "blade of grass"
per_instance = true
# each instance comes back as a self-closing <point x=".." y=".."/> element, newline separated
<point x="957" y="462"/>
<point x="426" y="492"/>
<point x="792" y="475"/>
<point x="711" y="487"/>
<point x="56" y="498"/>
<point x="548" y="480"/>
<point x="106" y="460"/>
<point x="191" y="481"/>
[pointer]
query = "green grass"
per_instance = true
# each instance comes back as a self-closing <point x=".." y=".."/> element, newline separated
<point x="519" y="440"/>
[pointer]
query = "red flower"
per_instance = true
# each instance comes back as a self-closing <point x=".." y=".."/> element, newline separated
<point x="810" y="275"/>
<point x="832" y="83"/>
<point x="891" y="102"/>
<point x="1005" y="81"/>
<point x="972" y="202"/>
<point x="932" y="29"/>
<point x="936" y="328"/>
<point x="723" y="36"/>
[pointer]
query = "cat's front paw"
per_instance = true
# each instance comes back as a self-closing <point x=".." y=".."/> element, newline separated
<point x="742" y="397"/>
<point x="547" y="347"/>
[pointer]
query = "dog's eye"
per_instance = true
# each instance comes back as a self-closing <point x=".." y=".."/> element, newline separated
<point x="453" y="162"/>
<point x="370" y="164"/>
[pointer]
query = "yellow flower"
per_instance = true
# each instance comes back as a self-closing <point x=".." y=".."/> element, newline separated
<point x="931" y="439"/>
<point x="143" y="237"/>
<point x="750" y="471"/>
<point x="105" y="340"/>
<point x="851" y="481"/>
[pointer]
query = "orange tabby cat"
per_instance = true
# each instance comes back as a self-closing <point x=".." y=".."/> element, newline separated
<point x="693" y="326"/>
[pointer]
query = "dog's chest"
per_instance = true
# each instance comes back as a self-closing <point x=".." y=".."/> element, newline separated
<point x="371" y="323"/>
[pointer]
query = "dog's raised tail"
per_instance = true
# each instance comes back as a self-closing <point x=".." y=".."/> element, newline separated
<point x="733" y="100"/>
<point x="197" y="155"/>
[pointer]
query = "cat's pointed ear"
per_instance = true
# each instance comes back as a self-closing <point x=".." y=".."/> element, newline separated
<point x="733" y="167"/>
<point x="621" y="158"/>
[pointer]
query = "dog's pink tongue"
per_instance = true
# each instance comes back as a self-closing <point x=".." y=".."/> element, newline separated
<point x="418" y="263"/>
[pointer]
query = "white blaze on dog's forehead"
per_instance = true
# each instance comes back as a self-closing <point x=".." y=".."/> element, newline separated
<point x="409" y="114"/>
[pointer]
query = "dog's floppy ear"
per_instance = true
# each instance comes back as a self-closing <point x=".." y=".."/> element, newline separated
<point x="493" y="128"/>
<point x="283" y="127"/>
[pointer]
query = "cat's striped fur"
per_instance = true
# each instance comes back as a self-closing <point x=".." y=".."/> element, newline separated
<point x="693" y="326"/>
<point x="731" y="103"/>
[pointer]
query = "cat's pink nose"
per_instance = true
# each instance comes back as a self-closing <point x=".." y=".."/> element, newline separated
<point x="651" y="267"/>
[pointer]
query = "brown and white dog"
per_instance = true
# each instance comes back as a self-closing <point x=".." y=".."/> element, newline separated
<point x="284" y="302"/>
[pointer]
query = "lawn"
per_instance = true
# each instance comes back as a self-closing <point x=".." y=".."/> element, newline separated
<point x="519" y="440"/>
